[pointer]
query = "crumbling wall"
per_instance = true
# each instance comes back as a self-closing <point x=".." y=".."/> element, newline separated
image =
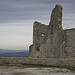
<point x="52" y="41"/>
<point x="39" y="33"/>
<point x="71" y="41"/>
<point x="55" y="42"/>
<point x="66" y="63"/>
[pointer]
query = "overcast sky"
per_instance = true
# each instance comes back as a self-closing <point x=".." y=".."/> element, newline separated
<point x="17" y="17"/>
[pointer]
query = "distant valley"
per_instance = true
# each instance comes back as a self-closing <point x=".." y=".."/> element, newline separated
<point x="14" y="53"/>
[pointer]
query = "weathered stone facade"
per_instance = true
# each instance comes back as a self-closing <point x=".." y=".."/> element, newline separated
<point x="52" y="41"/>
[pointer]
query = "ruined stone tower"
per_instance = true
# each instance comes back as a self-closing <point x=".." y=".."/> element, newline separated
<point x="50" y="41"/>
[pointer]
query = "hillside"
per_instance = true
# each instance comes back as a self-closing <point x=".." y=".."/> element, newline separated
<point x="14" y="53"/>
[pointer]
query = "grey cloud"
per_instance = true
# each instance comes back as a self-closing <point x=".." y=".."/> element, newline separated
<point x="19" y="11"/>
<point x="56" y="1"/>
<point x="14" y="10"/>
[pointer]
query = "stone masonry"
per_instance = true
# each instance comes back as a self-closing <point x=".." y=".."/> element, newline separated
<point x="51" y="41"/>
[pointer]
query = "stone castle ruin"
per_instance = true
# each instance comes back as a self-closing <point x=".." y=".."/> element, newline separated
<point x="52" y="41"/>
<point x="52" y="46"/>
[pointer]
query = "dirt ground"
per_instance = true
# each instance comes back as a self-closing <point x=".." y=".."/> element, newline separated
<point x="20" y="70"/>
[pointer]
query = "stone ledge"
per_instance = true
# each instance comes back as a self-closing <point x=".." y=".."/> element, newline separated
<point x="45" y="62"/>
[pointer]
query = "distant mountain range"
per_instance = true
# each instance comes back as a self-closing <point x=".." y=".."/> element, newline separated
<point x="14" y="53"/>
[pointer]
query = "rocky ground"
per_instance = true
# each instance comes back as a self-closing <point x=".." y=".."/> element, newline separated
<point x="24" y="70"/>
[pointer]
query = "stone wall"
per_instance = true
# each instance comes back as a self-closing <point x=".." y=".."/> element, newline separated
<point x="51" y="47"/>
<point x="71" y="41"/>
<point x="39" y="33"/>
<point x="70" y="63"/>
<point x="50" y="41"/>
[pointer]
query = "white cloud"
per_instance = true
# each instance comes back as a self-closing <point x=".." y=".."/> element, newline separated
<point x="16" y="35"/>
<point x="15" y="42"/>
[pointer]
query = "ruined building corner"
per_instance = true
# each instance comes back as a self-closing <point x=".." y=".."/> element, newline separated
<point x="51" y="41"/>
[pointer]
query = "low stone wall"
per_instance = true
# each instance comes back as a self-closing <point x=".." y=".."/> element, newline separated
<point x="46" y="62"/>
